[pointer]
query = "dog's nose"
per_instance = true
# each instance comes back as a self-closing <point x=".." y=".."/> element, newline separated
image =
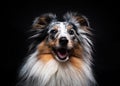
<point x="63" y="41"/>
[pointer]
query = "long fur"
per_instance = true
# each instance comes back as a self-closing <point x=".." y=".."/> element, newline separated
<point x="38" y="71"/>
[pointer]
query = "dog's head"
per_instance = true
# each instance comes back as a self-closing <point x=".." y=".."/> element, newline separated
<point x="65" y="38"/>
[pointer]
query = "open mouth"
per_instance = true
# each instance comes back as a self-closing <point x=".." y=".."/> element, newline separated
<point x="62" y="54"/>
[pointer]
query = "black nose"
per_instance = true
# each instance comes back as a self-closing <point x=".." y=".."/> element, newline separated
<point x="63" y="41"/>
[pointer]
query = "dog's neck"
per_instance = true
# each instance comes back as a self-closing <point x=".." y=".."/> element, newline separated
<point x="53" y="73"/>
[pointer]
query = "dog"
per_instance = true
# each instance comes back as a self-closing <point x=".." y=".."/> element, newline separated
<point x="62" y="54"/>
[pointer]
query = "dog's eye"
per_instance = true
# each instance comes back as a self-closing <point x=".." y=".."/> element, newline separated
<point x="71" y="32"/>
<point x="53" y="31"/>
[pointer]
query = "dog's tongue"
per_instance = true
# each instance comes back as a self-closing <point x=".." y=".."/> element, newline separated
<point x="62" y="53"/>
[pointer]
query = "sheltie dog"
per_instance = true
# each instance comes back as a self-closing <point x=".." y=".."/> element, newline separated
<point x="62" y="53"/>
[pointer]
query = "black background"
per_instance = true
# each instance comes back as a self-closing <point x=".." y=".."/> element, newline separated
<point x="103" y="17"/>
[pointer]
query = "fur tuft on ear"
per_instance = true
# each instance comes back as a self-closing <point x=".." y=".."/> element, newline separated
<point x="43" y="21"/>
<point x="76" y="18"/>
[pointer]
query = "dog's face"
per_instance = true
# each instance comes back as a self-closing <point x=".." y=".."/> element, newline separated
<point x="63" y="38"/>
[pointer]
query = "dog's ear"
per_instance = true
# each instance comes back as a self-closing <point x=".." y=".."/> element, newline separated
<point x="77" y="18"/>
<point x="82" y="20"/>
<point x="43" y="21"/>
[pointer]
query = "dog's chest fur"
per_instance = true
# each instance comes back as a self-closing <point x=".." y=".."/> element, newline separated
<point x="53" y="73"/>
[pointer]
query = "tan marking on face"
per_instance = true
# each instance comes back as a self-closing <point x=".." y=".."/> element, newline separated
<point x="76" y="62"/>
<point x="45" y="57"/>
<point x="77" y="51"/>
<point x="53" y="43"/>
<point x="76" y="56"/>
<point x="45" y="52"/>
<point x="44" y="48"/>
<point x="55" y="27"/>
<point x="69" y="27"/>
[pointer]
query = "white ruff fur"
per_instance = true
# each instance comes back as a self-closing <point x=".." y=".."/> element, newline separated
<point x="37" y="73"/>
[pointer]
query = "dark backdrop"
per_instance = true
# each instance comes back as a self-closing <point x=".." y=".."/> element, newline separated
<point x="103" y="17"/>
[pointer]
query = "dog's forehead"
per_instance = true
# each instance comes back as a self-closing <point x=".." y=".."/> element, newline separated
<point x="60" y="25"/>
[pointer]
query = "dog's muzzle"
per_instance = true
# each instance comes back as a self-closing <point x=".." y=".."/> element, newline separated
<point x="62" y="52"/>
<point x="63" y="41"/>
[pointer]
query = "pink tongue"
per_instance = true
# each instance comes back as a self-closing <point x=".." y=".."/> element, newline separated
<point x="62" y="53"/>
